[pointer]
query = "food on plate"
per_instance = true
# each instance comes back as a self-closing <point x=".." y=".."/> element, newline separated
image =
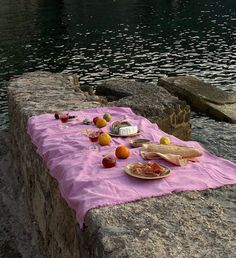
<point x="138" y="142"/>
<point x="104" y="139"/>
<point x="117" y="125"/>
<point x="128" y="130"/>
<point x="109" y="161"/>
<point x="101" y="122"/>
<point x="122" y="152"/>
<point x="107" y="117"/>
<point x="184" y="152"/>
<point x="123" y="128"/>
<point x="95" y="119"/>
<point x="149" y="169"/>
<point x="165" y="140"/>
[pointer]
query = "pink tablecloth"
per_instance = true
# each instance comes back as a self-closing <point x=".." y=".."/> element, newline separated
<point x="85" y="184"/>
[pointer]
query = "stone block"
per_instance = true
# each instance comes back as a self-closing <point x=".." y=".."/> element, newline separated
<point x="202" y="96"/>
<point x="178" y="225"/>
<point x="151" y="101"/>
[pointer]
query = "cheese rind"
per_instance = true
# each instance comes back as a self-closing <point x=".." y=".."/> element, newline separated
<point x="127" y="130"/>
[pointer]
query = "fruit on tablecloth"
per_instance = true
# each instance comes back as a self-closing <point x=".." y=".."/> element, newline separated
<point x="95" y="119"/>
<point x="122" y="152"/>
<point x="107" y="117"/>
<point x="109" y="161"/>
<point x="101" y="122"/>
<point x="104" y="139"/>
<point x="165" y="140"/>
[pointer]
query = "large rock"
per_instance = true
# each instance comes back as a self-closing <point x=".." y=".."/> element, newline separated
<point x="149" y="100"/>
<point x="193" y="224"/>
<point x="202" y="96"/>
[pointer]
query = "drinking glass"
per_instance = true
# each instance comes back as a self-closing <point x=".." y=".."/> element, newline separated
<point x="93" y="137"/>
<point x="64" y="118"/>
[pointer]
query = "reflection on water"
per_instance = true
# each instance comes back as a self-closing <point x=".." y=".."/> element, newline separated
<point x="130" y="39"/>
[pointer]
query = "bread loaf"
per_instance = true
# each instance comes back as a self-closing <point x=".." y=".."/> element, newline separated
<point x="185" y="152"/>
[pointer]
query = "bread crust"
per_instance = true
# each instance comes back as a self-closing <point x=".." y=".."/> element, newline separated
<point x="185" y="152"/>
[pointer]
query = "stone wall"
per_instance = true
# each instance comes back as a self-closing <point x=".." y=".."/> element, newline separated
<point x="149" y="100"/>
<point x="33" y="94"/>
<point x="169" y="226"/>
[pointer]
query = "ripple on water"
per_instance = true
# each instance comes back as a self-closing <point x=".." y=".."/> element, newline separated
<point x="143" y="43"/>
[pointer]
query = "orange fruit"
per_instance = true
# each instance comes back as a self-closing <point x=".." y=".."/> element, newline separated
<point x="104" y="139"/>
<point x="101" y="122"/>
<point x="122" y="152"/>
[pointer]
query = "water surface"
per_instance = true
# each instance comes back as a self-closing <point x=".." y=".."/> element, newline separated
<point x="141" y="40"/>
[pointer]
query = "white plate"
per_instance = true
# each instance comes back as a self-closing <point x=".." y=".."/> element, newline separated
<point x="128" y="170"/>
<point x="127" y="135"/>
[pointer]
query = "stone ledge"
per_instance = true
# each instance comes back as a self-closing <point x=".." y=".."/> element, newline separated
<point x="149" y="100"/>
<point x="202" y="96"/>
<point x="179" y="225"/>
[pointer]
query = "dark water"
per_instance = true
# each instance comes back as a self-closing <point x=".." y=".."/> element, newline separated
<point x="100" y="39"/>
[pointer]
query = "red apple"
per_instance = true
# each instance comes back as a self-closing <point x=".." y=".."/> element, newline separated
<point x="95" y="119"/>
<point x="109" y="161"/>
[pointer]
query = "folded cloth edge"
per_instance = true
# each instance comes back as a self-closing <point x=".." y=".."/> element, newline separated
<point x="172" y="158"/>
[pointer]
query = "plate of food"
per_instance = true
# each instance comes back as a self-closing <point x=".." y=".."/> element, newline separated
<point x="147" y="170"/>
<point x="138" y="142"/>
<point x="123" y="129"/>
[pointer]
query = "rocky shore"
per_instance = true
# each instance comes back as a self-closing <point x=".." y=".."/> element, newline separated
<point x="189" y="224"/>
<point x="202" y="96"/>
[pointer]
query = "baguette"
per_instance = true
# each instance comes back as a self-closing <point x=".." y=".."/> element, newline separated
<point x="184" y="152"/>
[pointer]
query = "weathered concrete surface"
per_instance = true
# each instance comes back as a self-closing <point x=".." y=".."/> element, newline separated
<point x="194" y="224"/>
<point x="202" y="96"/>
<point x="7" y="238"/>
<point x="17" y="233"/>
<point x="32" y="94"/>
<point x="171" y="114"/>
